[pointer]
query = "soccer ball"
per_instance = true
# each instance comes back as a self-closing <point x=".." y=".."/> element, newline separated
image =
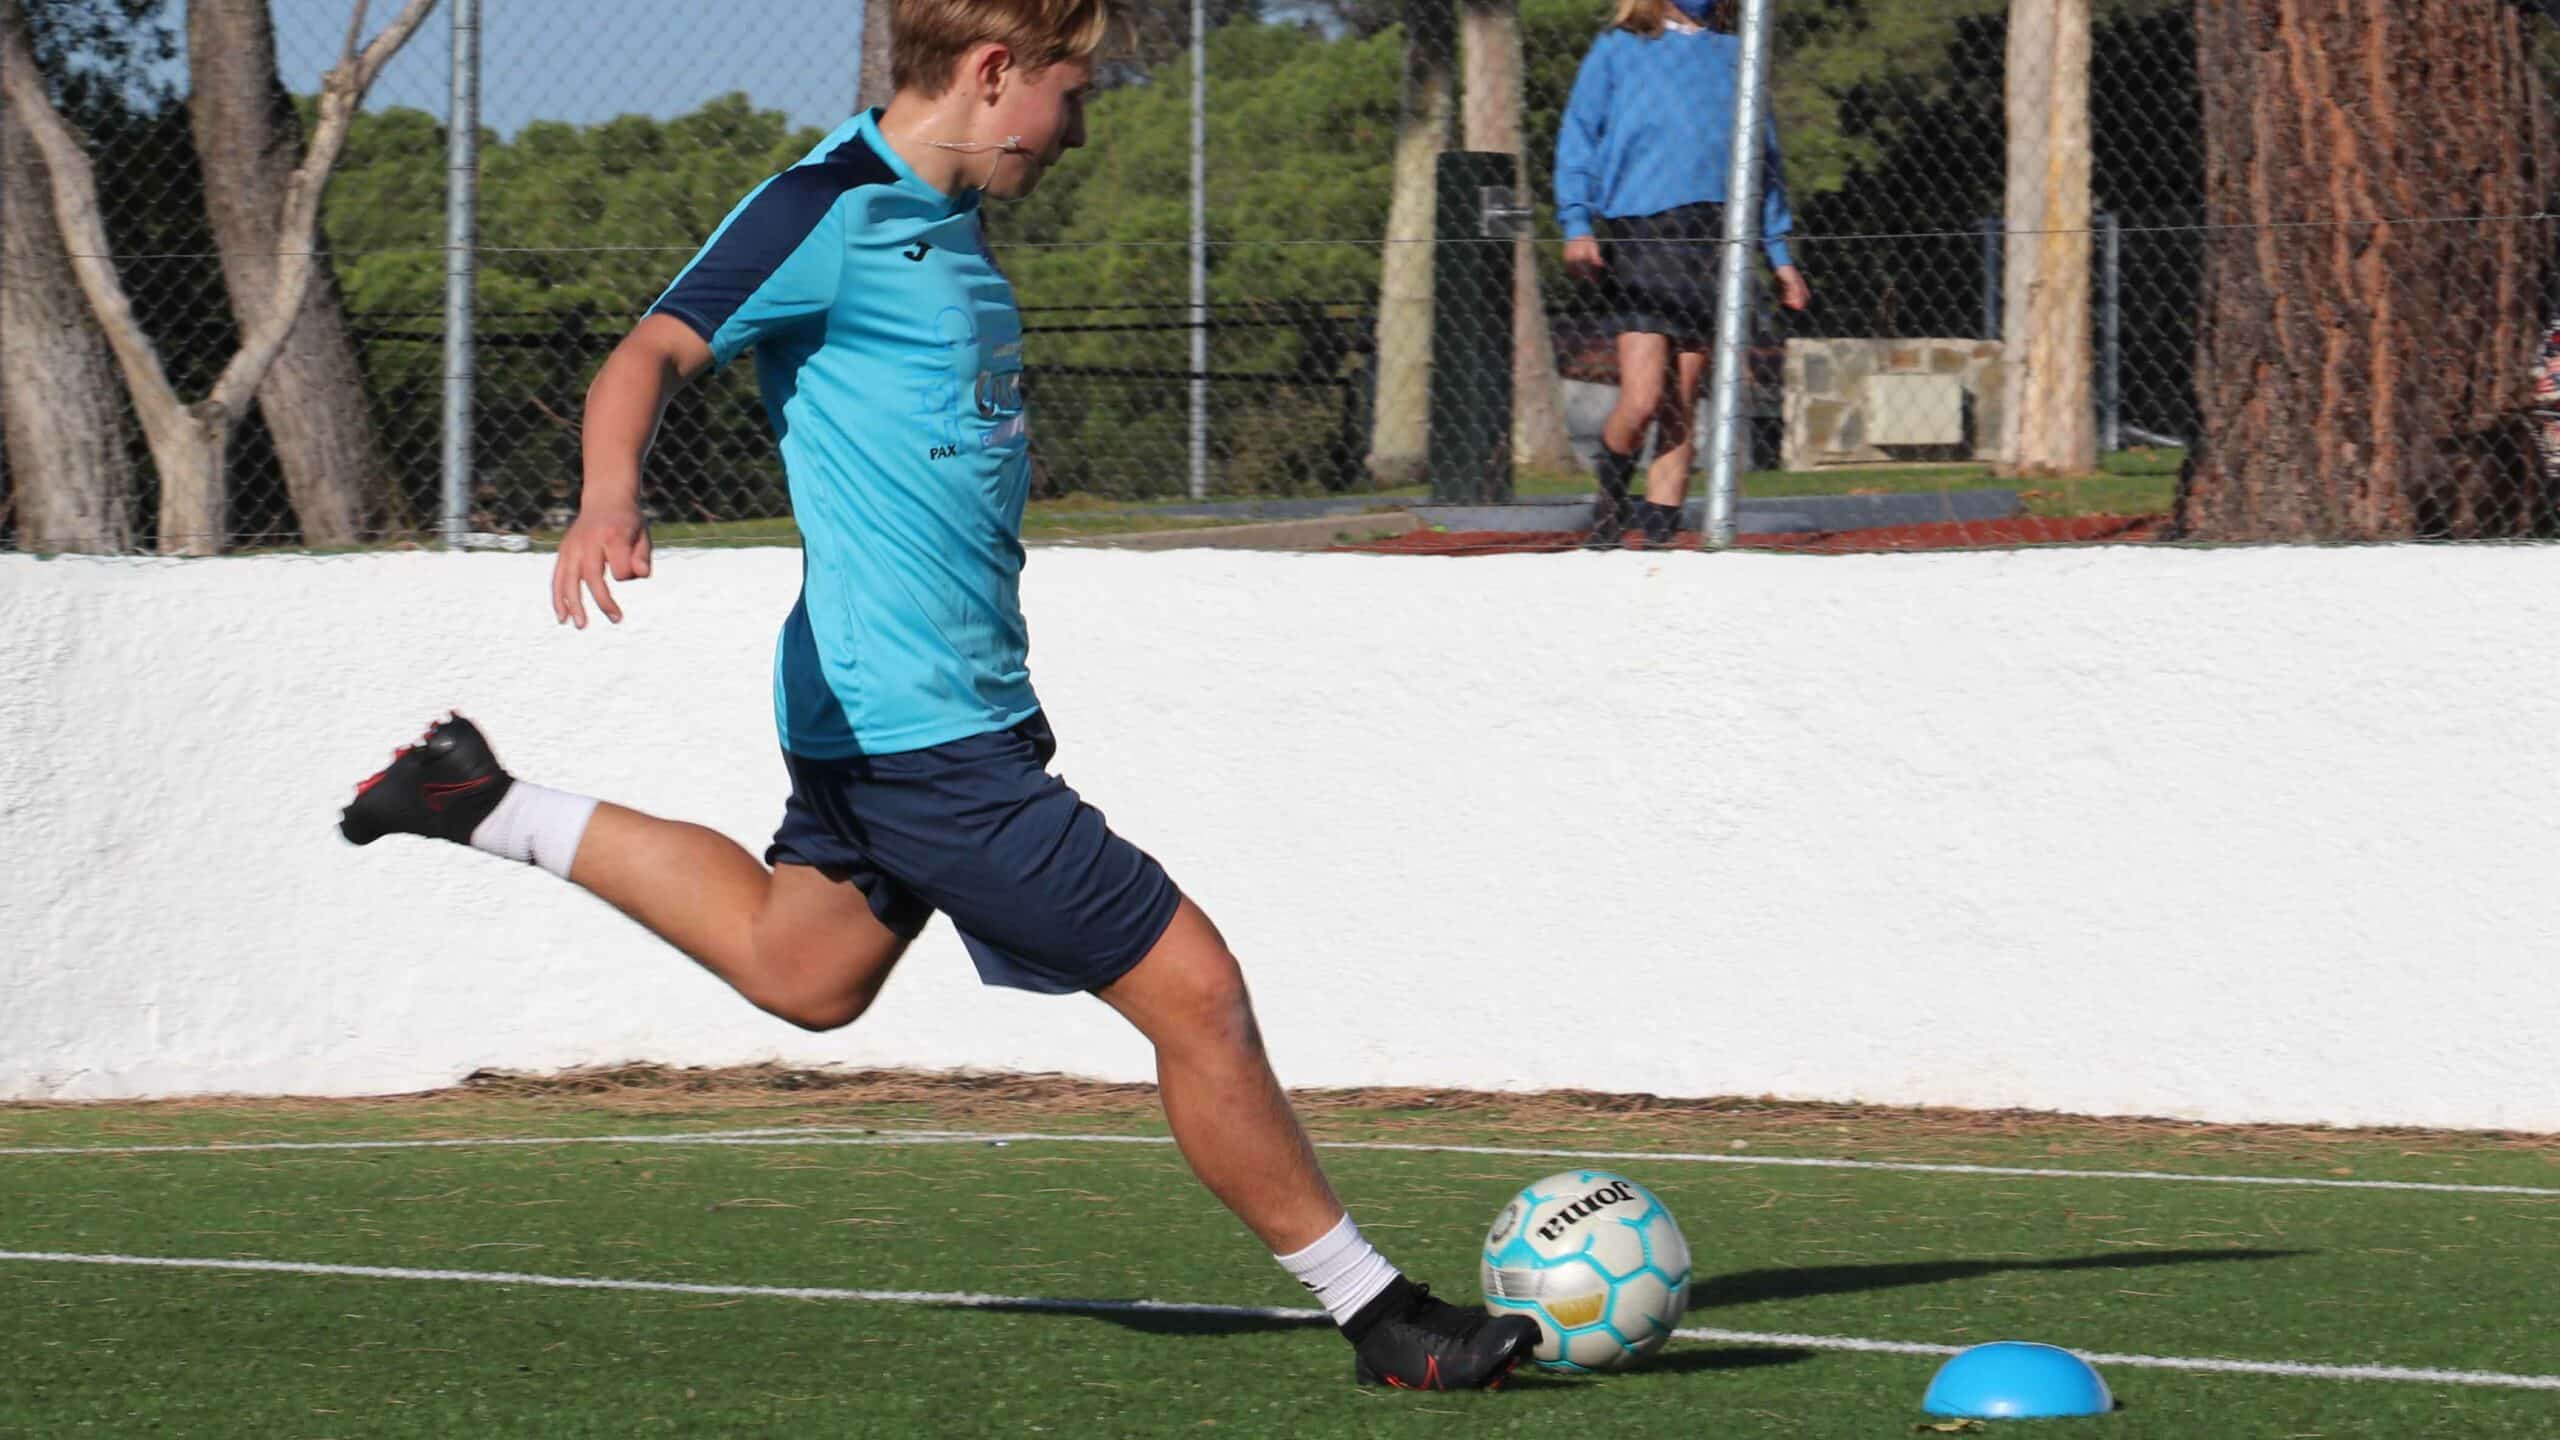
<point x="1597" y="1261"/>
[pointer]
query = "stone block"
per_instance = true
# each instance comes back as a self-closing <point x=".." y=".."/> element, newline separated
<point x="1822" y="420"/>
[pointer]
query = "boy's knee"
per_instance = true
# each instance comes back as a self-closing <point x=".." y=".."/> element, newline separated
<point x="819" y="1010"/>
<point x="821" y="995"/>
<point x="820" y="978"/>
<point x="1234" y="1024"/>
<point x="1216" y="1013"/>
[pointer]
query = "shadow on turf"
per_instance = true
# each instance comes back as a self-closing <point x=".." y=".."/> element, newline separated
<point x="1159" y="1322"/>
<point x="1745" y="1287"/>
<point x="1683" y="1358"/>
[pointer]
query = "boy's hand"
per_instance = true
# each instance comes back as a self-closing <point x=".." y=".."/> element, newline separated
<point x="1582" y="256"/>
<point x="623" y="408"/>
<point x="614" y="539"/>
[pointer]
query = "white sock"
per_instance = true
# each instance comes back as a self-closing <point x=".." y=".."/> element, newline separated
<point x="535" y="826"/>
<point x="1343" y="1270"/>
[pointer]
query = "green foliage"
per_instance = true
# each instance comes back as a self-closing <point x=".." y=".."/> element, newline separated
<point x="572" y="218"/>
<point x="1301" y="136"/>
<point x="581" y="227"/>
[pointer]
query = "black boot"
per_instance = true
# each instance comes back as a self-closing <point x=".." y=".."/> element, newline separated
<point x="1660" y="523"/>
<point x="1611" y="511"/>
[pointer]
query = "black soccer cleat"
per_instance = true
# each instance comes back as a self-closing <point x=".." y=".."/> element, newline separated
<point x="1430" y="1344"/>
<point x="443" y="786"/>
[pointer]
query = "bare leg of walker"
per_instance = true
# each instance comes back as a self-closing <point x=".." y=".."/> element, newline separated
<point x="1676" y="451"/>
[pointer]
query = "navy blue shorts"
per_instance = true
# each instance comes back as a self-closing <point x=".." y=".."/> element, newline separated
<point x="1661" y="272"/>
<point x="1043" y="894"/>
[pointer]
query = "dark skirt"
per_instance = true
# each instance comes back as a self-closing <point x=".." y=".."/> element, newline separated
<point x="1660" y="272"/>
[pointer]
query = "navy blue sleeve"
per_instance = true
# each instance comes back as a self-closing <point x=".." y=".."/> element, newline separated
<point x="776" y="261"/>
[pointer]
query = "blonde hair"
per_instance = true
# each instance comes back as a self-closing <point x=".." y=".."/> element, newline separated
<point x="1650" y="17"/>
<point x="930" y="36"/>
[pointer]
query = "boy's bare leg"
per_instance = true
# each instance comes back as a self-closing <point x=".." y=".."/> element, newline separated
<point x="793" y="942"/>
<point x="810" y="950"/>
<point x="1237" y="1130"/>
<point x="1229" y="1115"/>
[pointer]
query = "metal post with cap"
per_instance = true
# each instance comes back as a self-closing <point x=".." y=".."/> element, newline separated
<point x="1741" y="273"/>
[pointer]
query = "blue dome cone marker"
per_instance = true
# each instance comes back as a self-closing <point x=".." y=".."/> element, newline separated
<point x="2016" y="1380"/>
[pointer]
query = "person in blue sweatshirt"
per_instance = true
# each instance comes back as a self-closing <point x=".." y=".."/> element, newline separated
<point x="1641" y="162"/>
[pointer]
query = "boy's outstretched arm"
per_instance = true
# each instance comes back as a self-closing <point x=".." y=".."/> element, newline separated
<point x="623" y="407"/>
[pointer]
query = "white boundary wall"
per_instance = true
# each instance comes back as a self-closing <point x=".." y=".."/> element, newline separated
<point x="2255" y="835"/>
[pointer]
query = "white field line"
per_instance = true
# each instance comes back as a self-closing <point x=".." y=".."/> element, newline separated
<point x="970" y="1300"/>
<point x="2294" y="1369"/>
<point x="821" y="1135"/>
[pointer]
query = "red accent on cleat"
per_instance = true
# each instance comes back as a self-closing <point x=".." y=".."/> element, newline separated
<point x="424" y="736"/>
<point x="438" y="796"/>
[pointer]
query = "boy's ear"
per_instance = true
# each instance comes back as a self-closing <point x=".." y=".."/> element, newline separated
<point x="987" y="67"/>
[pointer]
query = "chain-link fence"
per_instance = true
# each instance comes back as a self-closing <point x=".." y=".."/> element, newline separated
<point x="2279" y="285"/>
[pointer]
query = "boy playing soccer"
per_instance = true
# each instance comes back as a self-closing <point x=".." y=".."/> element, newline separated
<point x="889" y="351"/>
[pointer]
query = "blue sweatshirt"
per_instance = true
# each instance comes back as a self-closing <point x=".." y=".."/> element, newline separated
<point x="1650" y="128"/>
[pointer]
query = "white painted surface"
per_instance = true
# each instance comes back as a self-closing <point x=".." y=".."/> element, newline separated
<point x="2258" y="835"/>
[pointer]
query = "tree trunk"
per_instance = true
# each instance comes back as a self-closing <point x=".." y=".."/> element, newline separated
<point x="70" y="478"/>
<point x="249" y="140"/>
<point x="192" y="456"/>
<point x="189" y="442"/>
<point x="191" y="508"/>
<point x="1489" y="32"/>
<point x="2049" y="407"/>
<point x="2362" y="367"/>
<point x="872" y="90"/>
<point x="1400" y="437"/>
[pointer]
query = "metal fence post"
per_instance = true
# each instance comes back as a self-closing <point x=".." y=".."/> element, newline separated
<point x="461" y="267"/>
<point x="1199" y="248"/>
<point x="1741" y="272"/>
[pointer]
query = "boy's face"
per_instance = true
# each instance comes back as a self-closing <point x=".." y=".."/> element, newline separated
<point x="1047" y="111"/>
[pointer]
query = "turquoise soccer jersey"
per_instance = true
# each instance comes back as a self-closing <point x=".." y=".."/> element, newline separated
<point x="889" y="352"/>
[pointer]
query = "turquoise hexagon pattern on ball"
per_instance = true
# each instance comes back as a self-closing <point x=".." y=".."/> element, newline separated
<point x="1597" y="1261"/>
